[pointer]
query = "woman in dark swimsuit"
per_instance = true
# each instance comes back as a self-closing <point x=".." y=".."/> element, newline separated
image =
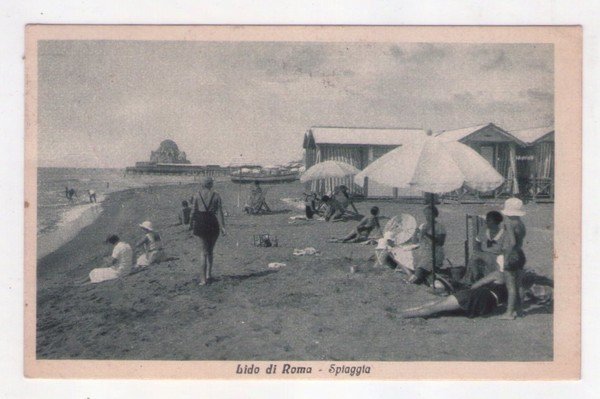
<point x="208" y="222"/>
<point x="484" y="296"/>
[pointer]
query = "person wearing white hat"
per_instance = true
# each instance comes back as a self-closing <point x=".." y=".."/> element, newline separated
<point x="152" y="244"/>
<point x="515" y="257"/>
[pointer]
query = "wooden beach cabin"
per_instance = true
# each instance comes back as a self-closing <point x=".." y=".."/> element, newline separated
<point x="498" y="147"/>
<point x="358" y="147"/>
<point x="535" y="162"/>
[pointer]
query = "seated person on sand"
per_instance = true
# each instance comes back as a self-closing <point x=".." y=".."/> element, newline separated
<point x="335" y="210"/>
<point x="340" y="193"/>
<point x="185" y="213"/>
<point x="310" y="204"/>
<point x="256" y="201"/>
<point x="423" y="258"/>
<point x="482" y="298"/>
<point x="398" y="256"/>
<point x="120" y="262"/>
<point x="152" y="244"/>
<point x="491" y="246"/>
<point x="363" y="230"/>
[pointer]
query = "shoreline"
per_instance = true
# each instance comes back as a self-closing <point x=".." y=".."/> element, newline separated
<point x="89" y="214"/>
<point x="108" y="206"/>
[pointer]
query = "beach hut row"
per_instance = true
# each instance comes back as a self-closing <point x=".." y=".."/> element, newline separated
<point x="525" y="158"/>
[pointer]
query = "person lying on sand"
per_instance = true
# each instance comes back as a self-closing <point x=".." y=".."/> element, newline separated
<point x="482" y="298"/>
<point x="152" y="244"/>
<point x="365" y="227"/>
<point x="120" y="262"/>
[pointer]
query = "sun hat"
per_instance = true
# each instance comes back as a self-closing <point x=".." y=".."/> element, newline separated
<point x="513" y="207"/>
<point x="147" y="225"/>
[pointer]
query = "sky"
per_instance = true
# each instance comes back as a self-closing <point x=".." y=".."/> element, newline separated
<point x="109" y="103"/>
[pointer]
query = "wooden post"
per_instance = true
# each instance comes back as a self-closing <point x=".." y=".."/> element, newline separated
<point x="395" y="192"/>
<point x="433" y="244"/>
<point x="366" y="187"/>
<point x="472" y="230"/>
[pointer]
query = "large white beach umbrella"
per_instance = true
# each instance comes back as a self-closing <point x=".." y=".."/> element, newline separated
<point x="328" y="169"/>
<point x="432" y="166"/>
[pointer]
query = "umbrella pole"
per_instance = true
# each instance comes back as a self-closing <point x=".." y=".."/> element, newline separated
<point x="433" y="239"/>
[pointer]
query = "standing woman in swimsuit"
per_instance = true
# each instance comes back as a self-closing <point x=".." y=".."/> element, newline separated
<point x="208" y="222"/>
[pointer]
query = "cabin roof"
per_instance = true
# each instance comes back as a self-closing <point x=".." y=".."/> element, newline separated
<point x="464" y="133"/>
<point x="532" y="135"/>
<point x="459" y="134"/>
<point x="361" y="136"/>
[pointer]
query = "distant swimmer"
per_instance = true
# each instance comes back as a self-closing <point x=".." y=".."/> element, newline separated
<point x="72" y="194"/>
<point x="92" y="195"/>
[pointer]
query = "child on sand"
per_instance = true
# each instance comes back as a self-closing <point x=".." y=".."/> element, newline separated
<point x="153" y="250"/>
<point x="120" y="264"/>
<point x="364" y="228"/>
<point x="185" y="213"/>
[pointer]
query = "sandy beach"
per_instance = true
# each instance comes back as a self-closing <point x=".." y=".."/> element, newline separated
<point x="312" y="309"/>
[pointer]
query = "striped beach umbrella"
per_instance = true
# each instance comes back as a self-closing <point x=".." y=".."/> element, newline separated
<point x="328" y="169"/>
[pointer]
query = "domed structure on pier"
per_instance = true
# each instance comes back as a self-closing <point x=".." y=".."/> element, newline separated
<point x="168" y="152"/>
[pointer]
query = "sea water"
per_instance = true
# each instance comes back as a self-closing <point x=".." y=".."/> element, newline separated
<point x="59" y="220"/>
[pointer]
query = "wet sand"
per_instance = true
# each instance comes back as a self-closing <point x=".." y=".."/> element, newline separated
<point x="312" y="309"/>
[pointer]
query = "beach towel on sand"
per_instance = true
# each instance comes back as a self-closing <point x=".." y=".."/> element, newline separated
<point x="305" y="251"/>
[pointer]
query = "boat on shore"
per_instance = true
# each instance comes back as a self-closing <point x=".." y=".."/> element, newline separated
<point x="283" y="177"/>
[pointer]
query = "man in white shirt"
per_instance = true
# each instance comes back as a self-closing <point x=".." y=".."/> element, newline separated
<point x="121" y="262"/>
